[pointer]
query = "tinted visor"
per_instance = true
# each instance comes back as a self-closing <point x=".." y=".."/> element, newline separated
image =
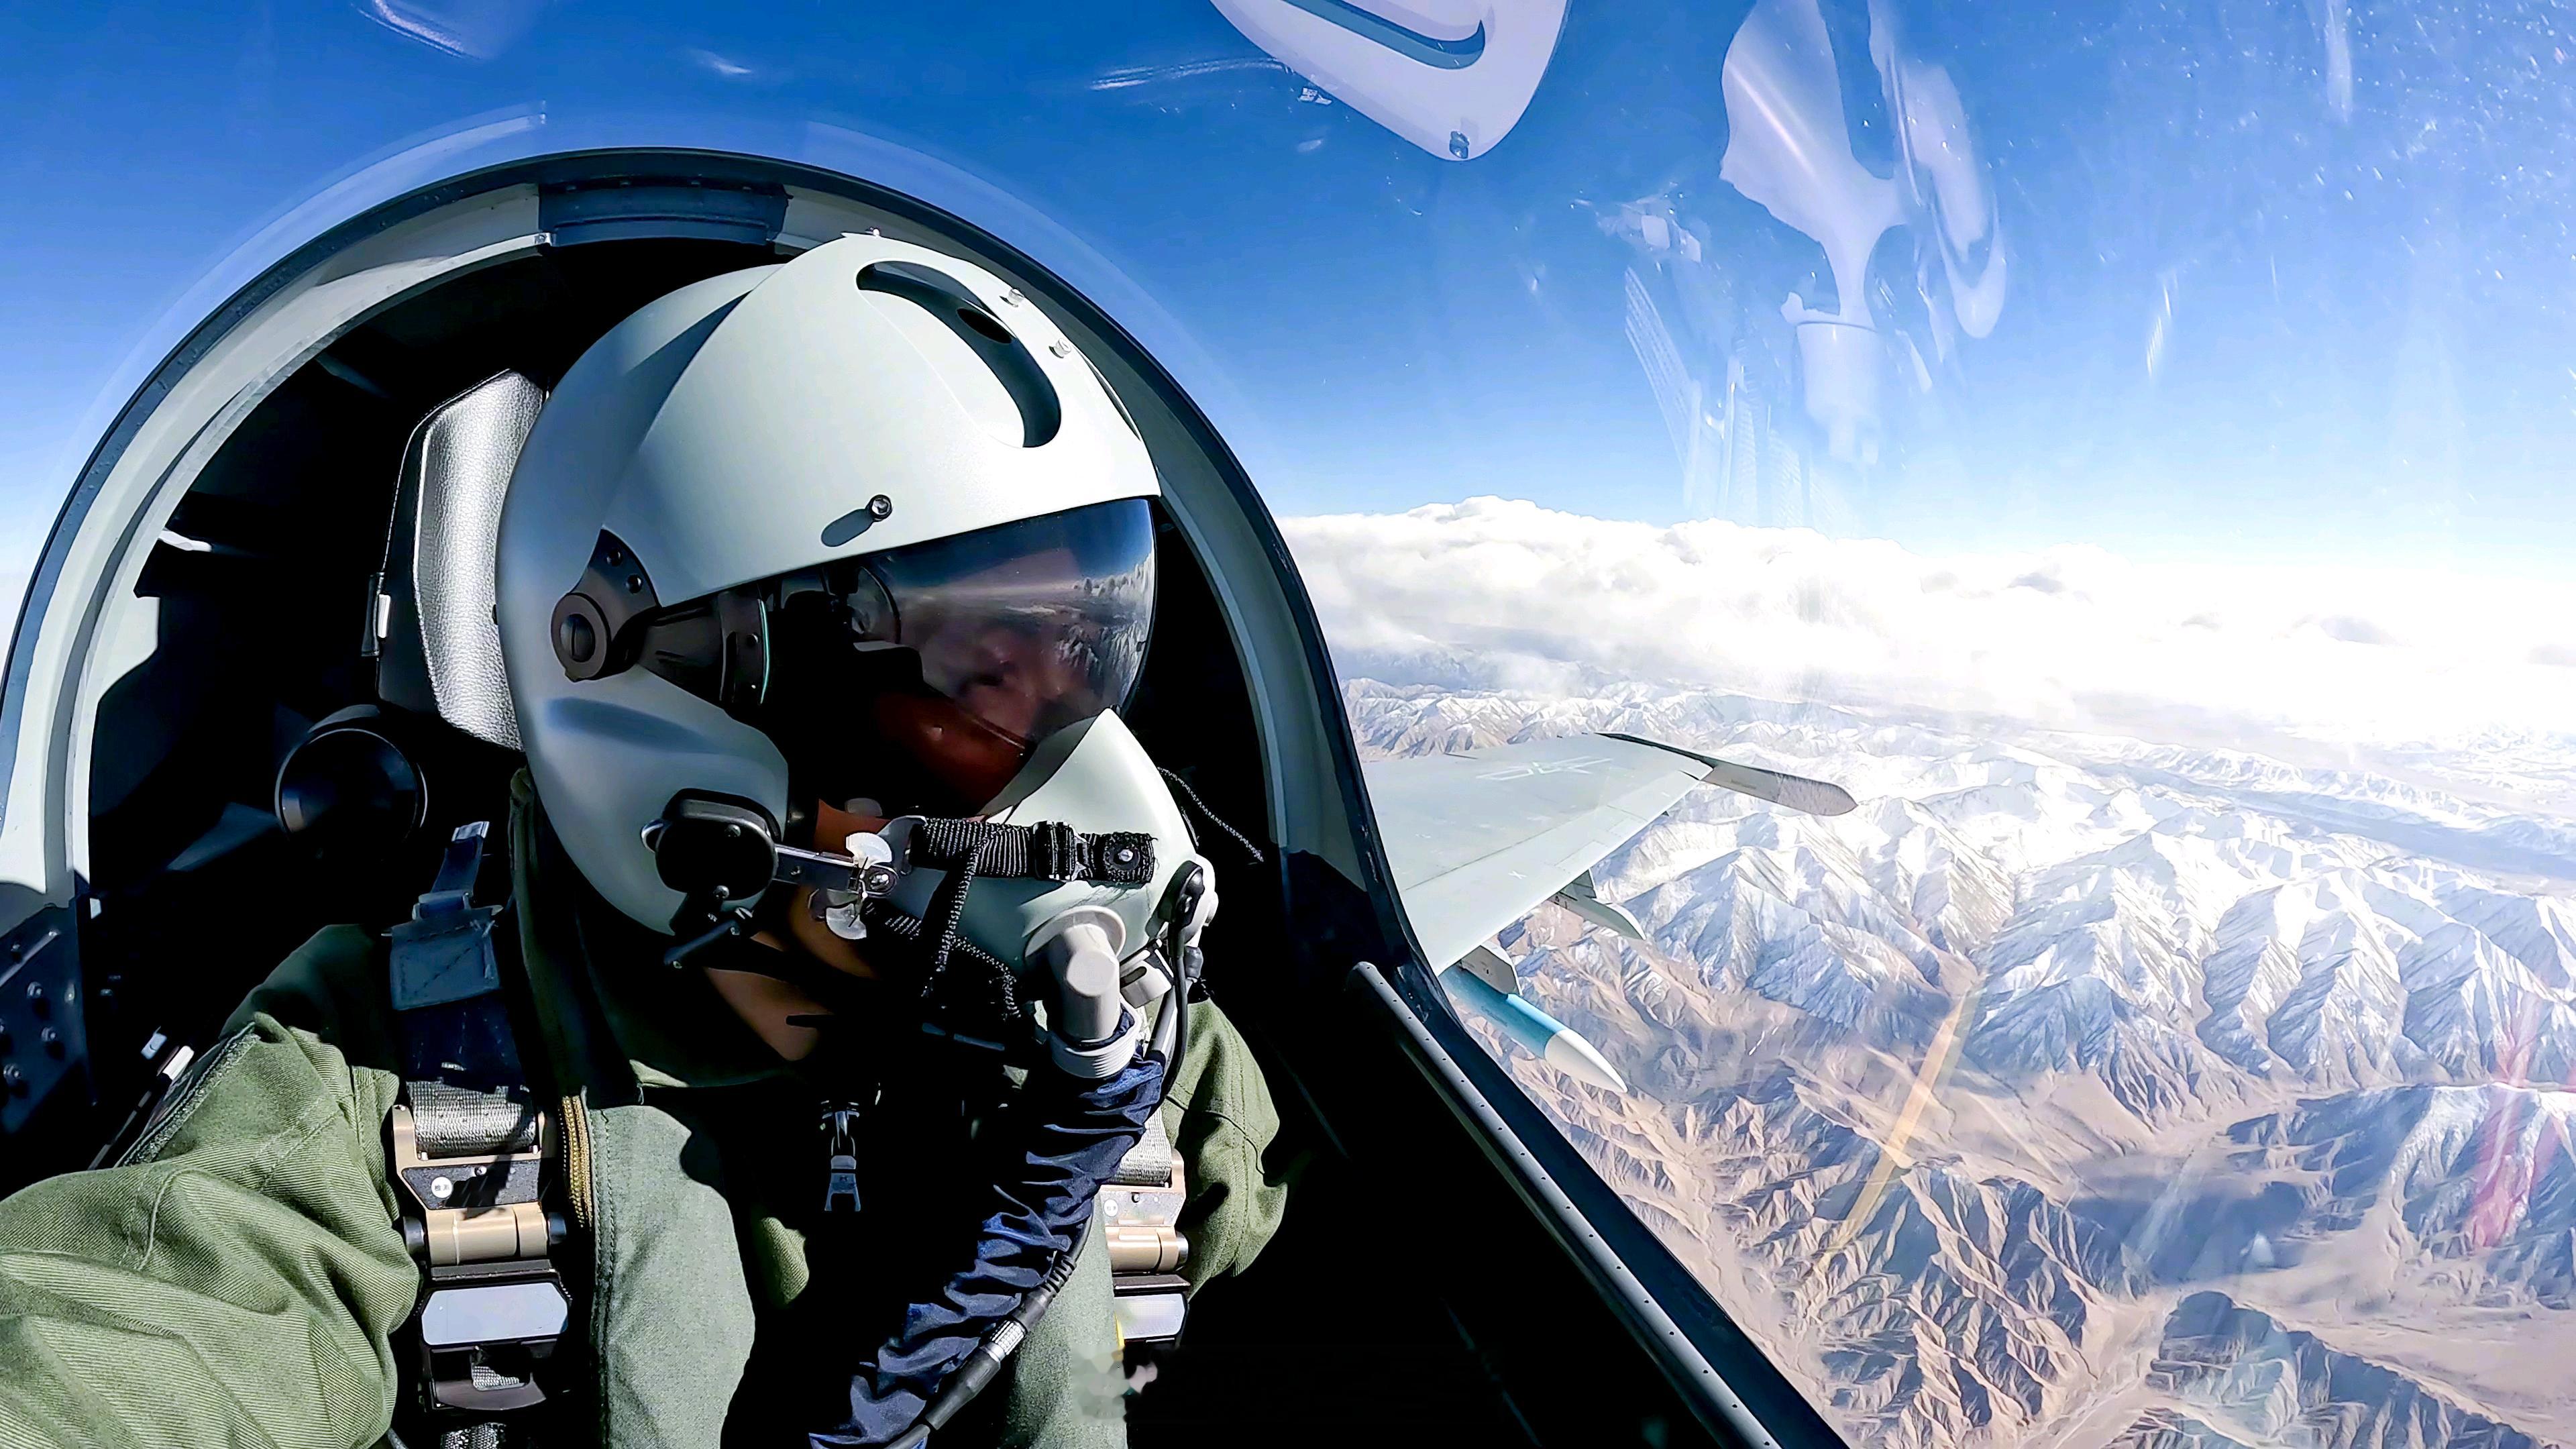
<point x="922" y="677"/>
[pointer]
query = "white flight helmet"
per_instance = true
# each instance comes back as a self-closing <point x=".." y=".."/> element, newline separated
<point x="862" y="524"/>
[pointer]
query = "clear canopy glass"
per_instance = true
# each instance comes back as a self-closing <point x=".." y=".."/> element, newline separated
<point x="2126" y="445"/>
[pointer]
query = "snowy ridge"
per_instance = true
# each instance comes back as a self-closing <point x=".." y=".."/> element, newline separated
<point x="2253" y="1381"/>
<point x="1963" y="1102"/>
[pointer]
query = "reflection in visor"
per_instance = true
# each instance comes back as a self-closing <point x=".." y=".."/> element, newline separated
<point x="923" y="676"/>
<point x="1031" y="626"/>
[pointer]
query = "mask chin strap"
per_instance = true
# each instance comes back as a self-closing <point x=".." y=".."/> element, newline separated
<point x="967" y="849"/>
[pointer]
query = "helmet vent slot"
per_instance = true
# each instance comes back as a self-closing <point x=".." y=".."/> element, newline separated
<point x="984" y="322"/>
<point x="1002" y="359"/>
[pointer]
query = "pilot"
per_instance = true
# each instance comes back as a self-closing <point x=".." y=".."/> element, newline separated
<point x="839" y="563"/>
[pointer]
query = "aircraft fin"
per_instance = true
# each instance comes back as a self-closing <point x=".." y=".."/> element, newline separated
<point x="1581" y="896"/>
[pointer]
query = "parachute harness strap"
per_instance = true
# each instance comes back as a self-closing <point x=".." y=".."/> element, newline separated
<point x="470" y="1155"/>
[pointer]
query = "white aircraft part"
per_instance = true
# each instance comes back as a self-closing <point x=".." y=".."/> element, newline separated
<point x="1840" y="363"/>
<point x="1569" y="1053"/>
<point x="1489" y="965"/>
<point x="1450" y="76"/>
<point x="1945" y="180"/>
<point x="1582" y="897"/>
<point x="1532" y="1030"/>
<point x="1478" y="840"/>
<point x="1789" y="150"/>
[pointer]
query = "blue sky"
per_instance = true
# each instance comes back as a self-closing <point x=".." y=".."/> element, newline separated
<point x="2364" y="300"/>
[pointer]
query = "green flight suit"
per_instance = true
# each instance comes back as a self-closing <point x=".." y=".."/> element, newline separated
<point x="236" y="1278"/>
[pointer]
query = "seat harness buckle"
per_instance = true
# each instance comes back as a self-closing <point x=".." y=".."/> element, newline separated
<point x="841" y="1157"/>
<point x="469" y="1153"/>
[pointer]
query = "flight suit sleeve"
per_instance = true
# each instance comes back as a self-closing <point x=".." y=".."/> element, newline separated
<point x="1067" y="1386"/>
<point x="1222" y="1121"/>
<point x="235" y="1279"/>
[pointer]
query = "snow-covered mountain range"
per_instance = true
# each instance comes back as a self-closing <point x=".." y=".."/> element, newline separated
<point x="2077" y="1091"/>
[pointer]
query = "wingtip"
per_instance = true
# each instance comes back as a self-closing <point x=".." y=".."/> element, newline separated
<point x="1797" y="792"/>
<point x="1831" y="799"/>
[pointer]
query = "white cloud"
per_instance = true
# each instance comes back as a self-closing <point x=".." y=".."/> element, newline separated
<point x="729" y="69"/>
<point x="1497" y="592"/>
<point x="475" y="29"/>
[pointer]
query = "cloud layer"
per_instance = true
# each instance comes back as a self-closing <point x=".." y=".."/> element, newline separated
<point x="1502" y="593"/>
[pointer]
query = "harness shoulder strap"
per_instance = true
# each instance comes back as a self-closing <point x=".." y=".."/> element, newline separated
<point x="469" y="1157"/>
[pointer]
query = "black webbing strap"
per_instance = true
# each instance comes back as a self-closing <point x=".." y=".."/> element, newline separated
<point x="1048" y="850"/>
<point x="461" y="1069"/>
<point x="466" y="1093"/>
<point x="970" y="849"/>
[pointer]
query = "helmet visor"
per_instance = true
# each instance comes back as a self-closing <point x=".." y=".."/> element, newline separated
<point x="959" y="655"/>
<point x="1030" y="626"/>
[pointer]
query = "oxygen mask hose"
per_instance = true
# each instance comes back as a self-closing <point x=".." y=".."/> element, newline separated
<point x="1082" y="1111"/>
<point x="1062" y="1136"/>
<point x="1065" y="1137"/>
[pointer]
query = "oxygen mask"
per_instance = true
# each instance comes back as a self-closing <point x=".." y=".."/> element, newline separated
<point x="1079" y="887"/>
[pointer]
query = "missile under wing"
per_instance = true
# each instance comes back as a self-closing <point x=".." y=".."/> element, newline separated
<point x="1480" y="839"/>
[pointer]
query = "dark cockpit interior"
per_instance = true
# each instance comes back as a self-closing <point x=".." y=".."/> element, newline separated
<point x="321" y="705"/>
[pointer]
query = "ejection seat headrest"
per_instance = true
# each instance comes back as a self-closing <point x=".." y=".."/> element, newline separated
<point x="437" y="650"/>
<point x="358" y="781"/>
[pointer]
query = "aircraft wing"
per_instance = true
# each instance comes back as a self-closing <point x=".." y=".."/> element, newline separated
<point x="1479" y="840"/>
